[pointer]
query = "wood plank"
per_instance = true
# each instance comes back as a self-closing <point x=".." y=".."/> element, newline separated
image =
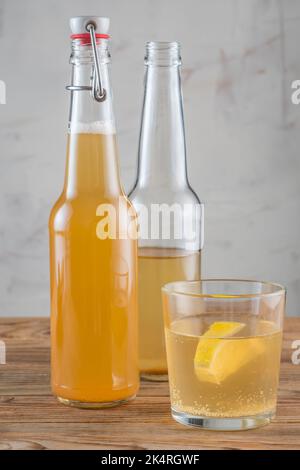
<point x="31" y="418"/>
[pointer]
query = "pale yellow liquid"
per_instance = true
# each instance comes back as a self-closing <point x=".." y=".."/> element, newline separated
<point x="156" y="267"/>
<point x="94" y="354"/>
<point x="251" y="390"/>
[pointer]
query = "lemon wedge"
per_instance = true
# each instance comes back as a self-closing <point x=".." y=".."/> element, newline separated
<point x="216" y="358"/>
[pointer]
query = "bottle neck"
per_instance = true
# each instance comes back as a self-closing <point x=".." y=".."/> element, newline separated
<point x="162" y="153"/>
<point x="91" y="154"/>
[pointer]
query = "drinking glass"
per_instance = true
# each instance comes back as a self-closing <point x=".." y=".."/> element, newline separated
<point x="223" y="341"/>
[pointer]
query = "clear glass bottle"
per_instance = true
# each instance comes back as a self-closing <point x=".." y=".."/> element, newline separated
<point x="169" y="211"/>
<point x="94" y="352"/>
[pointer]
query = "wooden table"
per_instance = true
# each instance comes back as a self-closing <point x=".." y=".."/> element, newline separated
<point x="31" y="418"/>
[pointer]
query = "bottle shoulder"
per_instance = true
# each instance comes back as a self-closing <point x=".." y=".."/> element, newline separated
<point x="152" y="195"/>
<point x="56" y="207"/>
<point x="60" y="213"/>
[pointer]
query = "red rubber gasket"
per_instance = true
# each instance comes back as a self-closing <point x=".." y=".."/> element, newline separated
<point x="87" y="36"/>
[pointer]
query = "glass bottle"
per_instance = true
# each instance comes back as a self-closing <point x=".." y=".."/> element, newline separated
<point x="169" y="211"/>
<point x="94" y="353"/>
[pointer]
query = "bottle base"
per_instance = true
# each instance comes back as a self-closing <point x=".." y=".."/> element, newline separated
<point x="94" y="405"/>
<point x="241" y="423"/>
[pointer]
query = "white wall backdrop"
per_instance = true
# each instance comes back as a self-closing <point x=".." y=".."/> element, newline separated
<point x="243" y="132"/>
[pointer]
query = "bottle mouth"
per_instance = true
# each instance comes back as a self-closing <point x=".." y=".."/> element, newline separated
<point x="162" y="53"/>
<point x="162" y="45"/>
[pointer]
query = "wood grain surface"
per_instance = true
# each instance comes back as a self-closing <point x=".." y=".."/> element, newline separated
<point x="31" y="418"/>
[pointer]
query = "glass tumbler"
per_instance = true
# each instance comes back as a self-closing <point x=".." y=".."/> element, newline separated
<point x="223" y="341"/>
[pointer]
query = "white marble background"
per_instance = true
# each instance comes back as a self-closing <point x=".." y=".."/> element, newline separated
<point x="243" y="133"/>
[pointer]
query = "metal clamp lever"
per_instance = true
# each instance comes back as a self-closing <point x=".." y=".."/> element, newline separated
<point x="98" y="92"/>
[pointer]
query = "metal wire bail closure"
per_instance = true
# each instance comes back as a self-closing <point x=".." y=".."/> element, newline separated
<point x="98" y="92"/>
